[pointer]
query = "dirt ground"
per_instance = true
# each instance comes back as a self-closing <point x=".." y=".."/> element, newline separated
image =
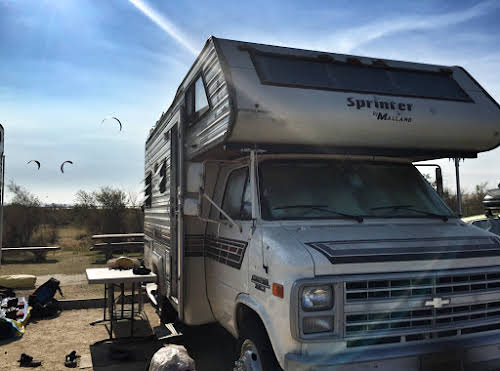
<point x="50" y="340"/>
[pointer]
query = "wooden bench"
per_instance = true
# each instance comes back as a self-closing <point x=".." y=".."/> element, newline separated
<point x="112" y="243"/>
<point x="40" y="252"/>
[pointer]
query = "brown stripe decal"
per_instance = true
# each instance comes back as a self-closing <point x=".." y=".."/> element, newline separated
<point x="226" y="251"/>
<point x="223" y="250"/>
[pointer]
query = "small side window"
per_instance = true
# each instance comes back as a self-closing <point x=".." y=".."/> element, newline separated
<point x="196" y="100"/>
<point x="200" y="97"/>
<point x="148" y="190"/>
<point x="163" y="176"/>
<point x="237" y="197"/>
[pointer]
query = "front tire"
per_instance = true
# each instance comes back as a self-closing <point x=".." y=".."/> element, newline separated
<point x="255" y="351"/>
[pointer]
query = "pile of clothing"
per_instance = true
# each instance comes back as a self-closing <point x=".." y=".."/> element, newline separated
<point x="14" y="314"/>
<point x="16" y="311"/>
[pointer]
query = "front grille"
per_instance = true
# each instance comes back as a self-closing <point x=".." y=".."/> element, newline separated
<point x="421" y="286"/>
<point x="393" y="310"/>
<point x="369" y="323"/>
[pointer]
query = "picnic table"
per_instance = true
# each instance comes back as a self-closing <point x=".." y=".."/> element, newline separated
<point x="40" y="252"/>
<point x="117" y="309"/>
<point x="118" y="242"/>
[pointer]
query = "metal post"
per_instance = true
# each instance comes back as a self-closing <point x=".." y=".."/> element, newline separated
<point x="253" y="184"/>
<point x="2" y="175"/>
<point x="459" y="194"/>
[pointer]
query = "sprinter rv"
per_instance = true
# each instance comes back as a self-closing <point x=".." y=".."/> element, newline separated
<point x="281" y="202"/>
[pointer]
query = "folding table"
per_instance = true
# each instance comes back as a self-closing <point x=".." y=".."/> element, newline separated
<point x="112" y="278"/>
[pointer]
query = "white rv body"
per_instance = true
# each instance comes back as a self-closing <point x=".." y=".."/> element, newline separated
<point x="226" y="250"/>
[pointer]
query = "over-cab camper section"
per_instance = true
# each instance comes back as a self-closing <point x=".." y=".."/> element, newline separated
<point x="240" y="94"/>
<point x="298" y="98"/>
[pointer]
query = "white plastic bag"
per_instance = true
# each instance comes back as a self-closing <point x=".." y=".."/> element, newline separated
<point x="172" y="358"/>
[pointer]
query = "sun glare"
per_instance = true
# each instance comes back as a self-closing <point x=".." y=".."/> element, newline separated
<point x="167" y="26"/>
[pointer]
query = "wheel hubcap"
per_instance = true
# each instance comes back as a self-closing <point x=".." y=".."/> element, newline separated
<point x="249" y="358"/>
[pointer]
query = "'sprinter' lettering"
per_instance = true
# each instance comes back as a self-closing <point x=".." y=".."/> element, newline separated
<point x="380" y="104"/>
<point x="383" y="105"/>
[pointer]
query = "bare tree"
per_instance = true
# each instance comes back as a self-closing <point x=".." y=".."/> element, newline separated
<point x="22" y="216"/>
<point x="103" y="211"/>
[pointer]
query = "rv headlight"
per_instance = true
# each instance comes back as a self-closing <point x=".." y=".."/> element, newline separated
<point x="316" y="298"/>
<point x="312" y="325"/>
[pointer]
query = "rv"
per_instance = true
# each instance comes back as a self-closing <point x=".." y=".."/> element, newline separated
<point x="282" y="202"/>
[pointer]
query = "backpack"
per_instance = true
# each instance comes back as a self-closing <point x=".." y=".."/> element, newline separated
<point x="42" y="300"/>
<point x="46" y="292"/>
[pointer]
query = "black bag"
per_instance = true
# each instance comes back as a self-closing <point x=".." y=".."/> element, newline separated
<point x="42" y="300"/>
<point x="49" y="309"/>
<point x="46" y="292"/>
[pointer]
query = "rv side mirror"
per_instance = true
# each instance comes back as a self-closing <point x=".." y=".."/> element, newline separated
<point x="194" y="182"/>
<point x="439" y="182"/>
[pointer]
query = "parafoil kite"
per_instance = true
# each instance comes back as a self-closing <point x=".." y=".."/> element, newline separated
<point x="65" y="162"/>
<point x="112" y="118"/>
<point x="36" y="162"/>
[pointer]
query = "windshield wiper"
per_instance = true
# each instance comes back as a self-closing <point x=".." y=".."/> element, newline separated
<point x="323" y="208"/>
<point x="410" y="208"/>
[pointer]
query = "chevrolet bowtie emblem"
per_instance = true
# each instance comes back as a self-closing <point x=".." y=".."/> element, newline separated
<point x="437" y="302"/>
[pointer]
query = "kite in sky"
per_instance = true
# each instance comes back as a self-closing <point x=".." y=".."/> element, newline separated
<point x="112" y="118"/>
<point x="65" y="162"/>
<point x="36" y="162"/>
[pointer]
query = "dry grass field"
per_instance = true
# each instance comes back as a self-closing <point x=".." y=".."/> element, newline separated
<point x="67" y="265"/>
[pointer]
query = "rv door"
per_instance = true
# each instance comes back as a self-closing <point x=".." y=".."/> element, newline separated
<point x="176" y="260"/>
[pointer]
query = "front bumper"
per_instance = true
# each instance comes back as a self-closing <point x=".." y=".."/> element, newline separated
<point x="478" y="353"/>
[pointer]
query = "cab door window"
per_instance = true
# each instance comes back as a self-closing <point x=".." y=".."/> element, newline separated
<point x="237" y="196"/>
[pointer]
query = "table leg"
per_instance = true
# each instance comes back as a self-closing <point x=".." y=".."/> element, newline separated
<point x="132" y="317"/>
<point x="141" y="298"/>
<point x="122" y="288"/>
<point x="105" y="301"/>
<point x="112" y="314"/>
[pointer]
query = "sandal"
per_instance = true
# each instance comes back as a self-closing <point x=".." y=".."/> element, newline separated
<point x="70" y="360"/>
<point x="27" y="361"/>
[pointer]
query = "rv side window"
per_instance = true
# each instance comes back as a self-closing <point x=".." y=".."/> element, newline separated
<point x="163" y="176"/>
<point x="148" y="190"/>
<point x="196" y="100"/>
<point x="311" y="73"/>
<point x="237" y="200"/>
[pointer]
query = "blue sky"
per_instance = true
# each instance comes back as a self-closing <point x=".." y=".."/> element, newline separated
<point x="66" y="64"/>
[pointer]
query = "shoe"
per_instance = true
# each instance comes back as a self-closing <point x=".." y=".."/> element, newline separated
<point x="70" y="360"/>
<point x="27" y="361"/>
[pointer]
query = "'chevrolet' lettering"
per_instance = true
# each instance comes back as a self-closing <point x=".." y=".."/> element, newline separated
<point x="379" y="104"/>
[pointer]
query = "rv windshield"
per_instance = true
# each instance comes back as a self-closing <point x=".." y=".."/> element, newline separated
<point x="325" y="189"/>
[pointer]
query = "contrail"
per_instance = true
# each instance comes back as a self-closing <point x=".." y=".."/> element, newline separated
<point x="165" y="25"/>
